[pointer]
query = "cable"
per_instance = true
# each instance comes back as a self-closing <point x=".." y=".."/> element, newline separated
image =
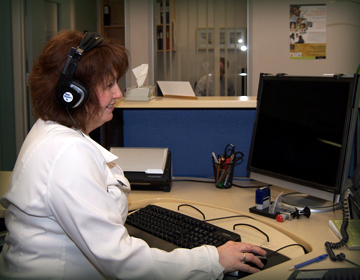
<point x="192" y="180"/>
<point x="228" y="217"/>
<point x="215" y="219"/>
<point x="290" y="245"/>
<point x="267" y="237"/>
<point x="210" y="180"/>
<point x="345" y="237"/>
<point x="351" y="262"/>
<point x="192" y="207"/>
<point x="329" y="245"/>
<point x="67" y="110"/>
<point x="251" y="187"/>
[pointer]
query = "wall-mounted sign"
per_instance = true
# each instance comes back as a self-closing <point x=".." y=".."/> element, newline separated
<point x="308" y="31"/>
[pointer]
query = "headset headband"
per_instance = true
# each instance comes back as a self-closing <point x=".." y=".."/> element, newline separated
<point x="89" y="41"/>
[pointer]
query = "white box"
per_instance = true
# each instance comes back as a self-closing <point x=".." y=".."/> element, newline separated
<point x="145" y="93"/>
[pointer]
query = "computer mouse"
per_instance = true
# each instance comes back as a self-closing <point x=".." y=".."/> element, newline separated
<point x="263" y="259"/>
<point x="240" y="274"/>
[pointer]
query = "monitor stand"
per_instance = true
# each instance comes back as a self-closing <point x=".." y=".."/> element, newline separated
<point x="300" y="200"/>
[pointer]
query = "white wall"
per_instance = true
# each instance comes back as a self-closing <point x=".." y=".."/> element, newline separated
<point x="138" y="37"/>
<point x="269" y="42"/>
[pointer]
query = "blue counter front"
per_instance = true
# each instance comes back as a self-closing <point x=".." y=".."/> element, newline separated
<point x="190" y="133"/>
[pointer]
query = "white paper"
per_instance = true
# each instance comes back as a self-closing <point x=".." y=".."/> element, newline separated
<point x="140" y="73"/>
<point x="176" y="88"/>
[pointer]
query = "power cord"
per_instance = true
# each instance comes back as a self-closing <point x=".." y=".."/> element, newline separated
<point x="215" y="219"/>
<point x="229" y="217"/>
<point x="192" y="207"/>
<point x="198" y="179"/>
<point x="290" y="245"/>
<point x="242" y="224"/>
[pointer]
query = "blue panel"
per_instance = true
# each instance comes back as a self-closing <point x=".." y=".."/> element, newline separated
<point x="191" y="135"/>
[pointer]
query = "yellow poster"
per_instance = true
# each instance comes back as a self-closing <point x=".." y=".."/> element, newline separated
<point x="308" y="31"/>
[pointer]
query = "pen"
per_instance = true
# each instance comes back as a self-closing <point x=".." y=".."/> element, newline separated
<point x="221" y="176"/>
<point x="215" y="159"/>
<point x="218" y="172"/>
<point x="227" y="178"/>
<point x="317" y="259"/>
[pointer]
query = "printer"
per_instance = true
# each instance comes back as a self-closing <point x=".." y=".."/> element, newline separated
<point x="147" y="169"/>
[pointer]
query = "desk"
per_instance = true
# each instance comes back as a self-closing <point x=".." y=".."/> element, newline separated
<point x="311" y="232"/>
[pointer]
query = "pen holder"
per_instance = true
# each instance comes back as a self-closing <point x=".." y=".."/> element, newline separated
<point x="223" y="173"/>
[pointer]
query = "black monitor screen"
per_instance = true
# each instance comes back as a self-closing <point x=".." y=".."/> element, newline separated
<point x="302" y="129"/>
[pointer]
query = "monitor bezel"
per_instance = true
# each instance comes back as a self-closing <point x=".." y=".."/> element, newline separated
<point x="330" y="193"/>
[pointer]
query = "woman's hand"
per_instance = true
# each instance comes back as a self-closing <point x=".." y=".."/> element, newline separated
<point x="233" y="254"/>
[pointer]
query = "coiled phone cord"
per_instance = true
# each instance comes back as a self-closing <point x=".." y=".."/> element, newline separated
<point x="345" y="237"/>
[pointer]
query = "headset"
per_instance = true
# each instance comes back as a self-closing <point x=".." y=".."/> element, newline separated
<point x="70" y="92"/>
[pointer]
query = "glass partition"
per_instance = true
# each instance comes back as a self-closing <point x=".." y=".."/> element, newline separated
<point x="203" y="42"/>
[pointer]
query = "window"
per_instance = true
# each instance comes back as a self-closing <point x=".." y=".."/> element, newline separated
<point x="197" y="36"/>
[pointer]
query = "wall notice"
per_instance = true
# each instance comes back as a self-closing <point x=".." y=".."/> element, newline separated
<point x="308" y="31"/>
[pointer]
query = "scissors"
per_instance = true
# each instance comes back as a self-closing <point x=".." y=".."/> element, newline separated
<point x="230" y="156"/>
<point x="236" y="156"/>
<point x="229" y="151"/>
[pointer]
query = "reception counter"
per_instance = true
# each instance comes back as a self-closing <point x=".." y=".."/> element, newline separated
<point x="212" y="102"/>
<point x="191" y="128"/>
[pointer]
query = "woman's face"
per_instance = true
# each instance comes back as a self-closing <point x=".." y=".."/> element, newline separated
<point x="107" y="97"/>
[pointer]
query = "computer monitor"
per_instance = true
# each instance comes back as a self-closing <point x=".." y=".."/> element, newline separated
<point x="303" y="136"/>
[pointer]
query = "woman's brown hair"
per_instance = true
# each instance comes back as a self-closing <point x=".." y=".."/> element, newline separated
<point x="97" y="67"/>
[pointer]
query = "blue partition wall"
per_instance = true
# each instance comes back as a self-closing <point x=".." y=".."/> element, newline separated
<point x="191" y="135"/>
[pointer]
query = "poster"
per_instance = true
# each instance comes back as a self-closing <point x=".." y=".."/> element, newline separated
<point x="308" y="31"/>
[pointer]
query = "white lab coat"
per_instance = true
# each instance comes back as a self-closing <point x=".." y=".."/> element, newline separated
<point x="66" y="212"/>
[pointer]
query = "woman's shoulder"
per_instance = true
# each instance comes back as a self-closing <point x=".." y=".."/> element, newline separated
<point x="51" y="139"/>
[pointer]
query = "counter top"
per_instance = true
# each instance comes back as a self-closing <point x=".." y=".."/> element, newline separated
<point x="311" y="232"/>
<point x="202" y="102"/>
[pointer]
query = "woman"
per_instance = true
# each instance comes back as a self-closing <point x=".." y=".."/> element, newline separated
<point x="67" y="202"/>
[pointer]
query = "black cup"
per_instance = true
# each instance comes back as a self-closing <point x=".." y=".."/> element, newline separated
<point x="223" y="173"/>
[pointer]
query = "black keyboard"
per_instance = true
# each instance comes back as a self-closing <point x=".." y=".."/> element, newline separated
<point x="179" y="229"/>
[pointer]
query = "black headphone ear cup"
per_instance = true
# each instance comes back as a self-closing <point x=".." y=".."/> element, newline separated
<point x="82" y="93"/>
<point x="74" y="95"/>
<point x="356" y="177"/>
